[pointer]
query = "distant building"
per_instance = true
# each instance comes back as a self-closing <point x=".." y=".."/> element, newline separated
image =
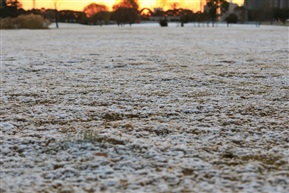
<point x="231" y="9"/>
<point x="262" y="4"/>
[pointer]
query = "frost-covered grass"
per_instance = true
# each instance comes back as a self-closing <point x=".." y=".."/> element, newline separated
<point x="145" y="109"/>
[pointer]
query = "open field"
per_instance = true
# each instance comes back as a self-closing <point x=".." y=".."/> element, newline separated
<point x="145" y="109"/>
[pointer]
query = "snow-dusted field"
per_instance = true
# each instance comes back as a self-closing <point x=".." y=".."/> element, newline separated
<point x="145" y="109"/>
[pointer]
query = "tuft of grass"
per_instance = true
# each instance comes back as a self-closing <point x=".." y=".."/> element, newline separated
<point x="108" y="117"/>
<point x="25" y="22"/>
<point x="275" y="160"/>
<point x="187" y="171"/>
<point x="86" y="135"/>
<point x="90" y="135"/>
<point x="229" y="154"/>
<point x="109" y="140"/>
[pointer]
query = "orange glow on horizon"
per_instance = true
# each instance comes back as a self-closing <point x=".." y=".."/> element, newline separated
<point x="78" y="5"/>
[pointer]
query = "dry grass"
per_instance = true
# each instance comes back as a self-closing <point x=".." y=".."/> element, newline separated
<point x="25" y="22"/>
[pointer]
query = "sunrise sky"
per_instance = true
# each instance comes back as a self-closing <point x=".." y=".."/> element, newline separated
<point x="78" y="5"/>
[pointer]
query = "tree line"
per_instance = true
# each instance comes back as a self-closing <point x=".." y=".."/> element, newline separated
<point x="129" y="12"/>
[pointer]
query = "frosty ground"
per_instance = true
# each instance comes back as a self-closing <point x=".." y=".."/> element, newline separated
<point x="145" y="109"/>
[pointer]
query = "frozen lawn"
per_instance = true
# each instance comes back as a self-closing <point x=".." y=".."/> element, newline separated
<point x="145" y="109"/>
